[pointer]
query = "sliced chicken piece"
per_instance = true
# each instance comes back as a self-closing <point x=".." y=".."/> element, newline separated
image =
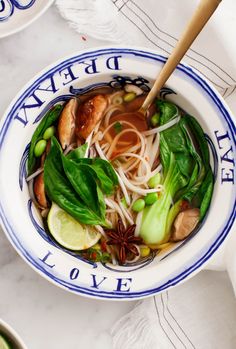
<point x="89" y="114"/>
<point x="39" y="190"/>
<point x="66" y="125"/>
<point x="184" y="223"/>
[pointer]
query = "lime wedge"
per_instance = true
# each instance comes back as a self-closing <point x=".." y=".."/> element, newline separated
<point x="4" y="343"/>
<point x="68" y="232"/>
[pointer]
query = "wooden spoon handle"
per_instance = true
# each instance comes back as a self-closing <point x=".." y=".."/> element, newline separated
<point x="200" y="17"/>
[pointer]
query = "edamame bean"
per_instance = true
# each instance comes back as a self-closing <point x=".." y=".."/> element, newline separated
<point x="128" y="97"/>
<point x="155" y="119"/>
<point x="144" y="251"/>
<point x="150" y="198"/>
<point x="40" y="147"/>
<point x="154" y="181"/>
<point x="49" y="132"/>
<point x="138" y="205"/>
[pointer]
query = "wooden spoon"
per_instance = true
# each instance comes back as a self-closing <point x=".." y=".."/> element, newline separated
<point x="200" y="17"/>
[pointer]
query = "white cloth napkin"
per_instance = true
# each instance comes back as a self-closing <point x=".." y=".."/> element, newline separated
<point x="198" y="314"/>
<point x="201" y="313"/>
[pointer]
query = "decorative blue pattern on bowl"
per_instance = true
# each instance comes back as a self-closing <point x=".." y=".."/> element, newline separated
<point x="7" y="7"/>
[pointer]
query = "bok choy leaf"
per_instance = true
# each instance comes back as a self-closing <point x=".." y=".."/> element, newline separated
<point x="187" y="174"/>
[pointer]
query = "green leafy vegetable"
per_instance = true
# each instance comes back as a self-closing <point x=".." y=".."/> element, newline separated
<point x="106" y="175"/>
<point x="78" y="153"/>
<point x="82" y="180"/>
<point x="96" y="255"/>
<point x="59" y="189"/>
<point x="204" y="194"/>
<point x="102" y="169"/>
<point x="187" y="174"/>
<point x="49" y="119"/>
<point x="118" y="127"/>
<point x="104" y="181"/>
<point x="77" y="184"/>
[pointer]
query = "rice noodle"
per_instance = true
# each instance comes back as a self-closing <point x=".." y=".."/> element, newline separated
<point x="147" y="167"/>
<point x="125" y="212"/>
<point x="163" y="127"/>
<point x="96" y="137"/>
<point x="110" y="110"/>
<point x="134" y="148"/>
<point x="149" y="142"/>
<point x="102" y="156"/>
<point x="105" y="147"/>
<point x="124" y="143"/>
<point x="154" y="151"/>
<point x="35" y="174"/>
<point x="96" y="128"/>
<point x="113" y="144"/>
<point x="69" y="148"/>
<point x="140" y="180"/>
<point x="128" y="167"/>
<point x="121" y="122"/>
<point x="138" y="223"/>
<point x="113" y="218"/>
<point x="135" y="196"/>
<point x="88" y="141"/>
<point x="101" y="230"/>
<point x="124" y="190"/>
<point x="113" y="258"/>
<point x="114" y="95"/>
<point x="134" y="188"/>
<point x="157" y="170"/>
<point x="133" y="88"/>
<point x="92" y="152"/>
<point x="111" y="210"/>
<point x="100" y="152"/>
<point x="128" y="261"/>
<point x="146" y="154"/>
<point x="112" y="204"/>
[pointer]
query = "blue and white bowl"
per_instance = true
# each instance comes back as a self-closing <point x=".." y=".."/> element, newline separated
<point x="21" y="222"/>
<point x="7" y="331"/>
<point x="15" y="15"/>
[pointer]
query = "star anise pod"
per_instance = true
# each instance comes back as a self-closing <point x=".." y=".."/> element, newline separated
<point x="124" y="240"/>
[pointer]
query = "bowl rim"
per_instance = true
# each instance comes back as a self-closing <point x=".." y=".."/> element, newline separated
<point x="29" y="22"/>
<point x="5" y="326"/>
<point x="199" y="263"/>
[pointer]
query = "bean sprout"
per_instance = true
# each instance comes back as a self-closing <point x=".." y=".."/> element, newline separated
<point x="163" y="127"/>
<point x="133" y="88"/>
<point x="35" y="174"/>
<point x="138" y="223"/>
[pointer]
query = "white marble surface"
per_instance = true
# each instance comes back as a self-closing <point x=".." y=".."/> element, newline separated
<point x="44" y="315"/>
